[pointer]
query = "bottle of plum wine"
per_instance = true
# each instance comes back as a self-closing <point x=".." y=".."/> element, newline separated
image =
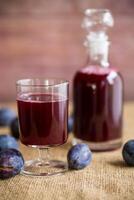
<point x="98" y="88"/>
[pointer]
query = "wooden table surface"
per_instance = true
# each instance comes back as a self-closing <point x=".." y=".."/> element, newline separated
<point x="107" y="178"/>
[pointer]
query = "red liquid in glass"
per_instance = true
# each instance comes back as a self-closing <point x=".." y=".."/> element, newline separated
<point x="98" y="103"/>
<point x="43" y="119"/>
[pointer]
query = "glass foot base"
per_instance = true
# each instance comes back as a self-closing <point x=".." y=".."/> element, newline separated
<point x="101" y="146"/>
<point x="42" y="168"/>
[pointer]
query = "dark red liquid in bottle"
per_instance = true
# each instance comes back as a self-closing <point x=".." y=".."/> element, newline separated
<point x="43" y="119"/>
<point x="98" y="101"/>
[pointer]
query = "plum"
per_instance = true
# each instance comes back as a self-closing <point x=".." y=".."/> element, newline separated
<point x="79" y="156"/>
<point x="14" y="127"/>
<point x="7" y="141"/>
<point x="11" y="163"/>
<point x="128" y="152"/>
<point x="6" y="116"/>
<point x="70" y="123"/>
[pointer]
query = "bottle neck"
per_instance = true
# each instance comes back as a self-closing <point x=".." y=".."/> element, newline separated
<point x="98" y="49"/>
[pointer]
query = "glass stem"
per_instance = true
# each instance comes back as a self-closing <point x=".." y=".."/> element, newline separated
<point x="43" y="155"/>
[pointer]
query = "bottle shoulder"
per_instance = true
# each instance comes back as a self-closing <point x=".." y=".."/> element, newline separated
<point x="96" y="73"/>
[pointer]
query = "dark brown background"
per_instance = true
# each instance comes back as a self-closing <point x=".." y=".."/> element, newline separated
<point x="44" y="38"/>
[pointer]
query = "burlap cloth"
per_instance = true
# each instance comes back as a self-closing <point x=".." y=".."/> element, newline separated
<point x="106" y="178"/>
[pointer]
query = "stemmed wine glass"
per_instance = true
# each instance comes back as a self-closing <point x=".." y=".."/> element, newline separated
<point x="43" y="112"/>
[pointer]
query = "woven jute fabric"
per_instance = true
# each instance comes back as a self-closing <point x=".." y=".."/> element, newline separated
<point x="106" y="178"/>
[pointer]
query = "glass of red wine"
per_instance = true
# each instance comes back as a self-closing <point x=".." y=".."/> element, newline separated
<point x="43" y="113"/>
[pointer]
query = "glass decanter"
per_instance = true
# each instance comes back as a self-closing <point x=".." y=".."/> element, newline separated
<point x="98" y="88"/>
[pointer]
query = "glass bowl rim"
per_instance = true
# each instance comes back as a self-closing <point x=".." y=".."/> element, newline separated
<point x="58" y="82"/>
